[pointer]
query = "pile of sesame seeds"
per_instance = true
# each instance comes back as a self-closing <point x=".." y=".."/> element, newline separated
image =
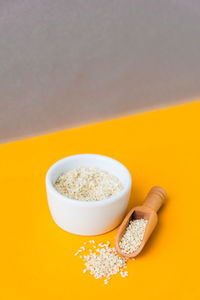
<point x="133" y="236"/>
<point x="102" y="261"/>
<point x="87" y="184"/>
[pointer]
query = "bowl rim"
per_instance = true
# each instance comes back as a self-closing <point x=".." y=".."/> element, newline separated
<point x="103" y="202"/>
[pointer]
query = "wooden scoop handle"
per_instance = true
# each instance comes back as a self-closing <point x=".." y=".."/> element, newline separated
<point x="155" y="198"/>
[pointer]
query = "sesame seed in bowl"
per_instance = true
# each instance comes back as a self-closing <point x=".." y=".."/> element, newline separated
<point x="88" y="184"/>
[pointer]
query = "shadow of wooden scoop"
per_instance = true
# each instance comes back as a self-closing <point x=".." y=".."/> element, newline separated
<point x="148" y="211"/>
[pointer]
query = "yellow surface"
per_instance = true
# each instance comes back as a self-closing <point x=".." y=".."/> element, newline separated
<point x="37" y="257"/>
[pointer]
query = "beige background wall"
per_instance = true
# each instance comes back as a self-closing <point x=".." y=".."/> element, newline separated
<point x="65" y="63"/>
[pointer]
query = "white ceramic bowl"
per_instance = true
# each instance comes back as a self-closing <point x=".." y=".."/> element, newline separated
<point x="88" y="218"/>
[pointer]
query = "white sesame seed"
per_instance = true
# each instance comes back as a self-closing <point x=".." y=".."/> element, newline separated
<point x="87" y="184"/>
<point x="104" y="263"/>
<point x="133" y="236"/>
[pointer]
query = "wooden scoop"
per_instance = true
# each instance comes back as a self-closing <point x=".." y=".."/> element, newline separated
<point x="148" y="211"/>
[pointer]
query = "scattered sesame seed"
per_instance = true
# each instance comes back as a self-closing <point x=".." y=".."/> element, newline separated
<point x="104" y="263"/>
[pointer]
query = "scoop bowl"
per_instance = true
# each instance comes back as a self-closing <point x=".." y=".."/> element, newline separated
<point x="147" y="211"/>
